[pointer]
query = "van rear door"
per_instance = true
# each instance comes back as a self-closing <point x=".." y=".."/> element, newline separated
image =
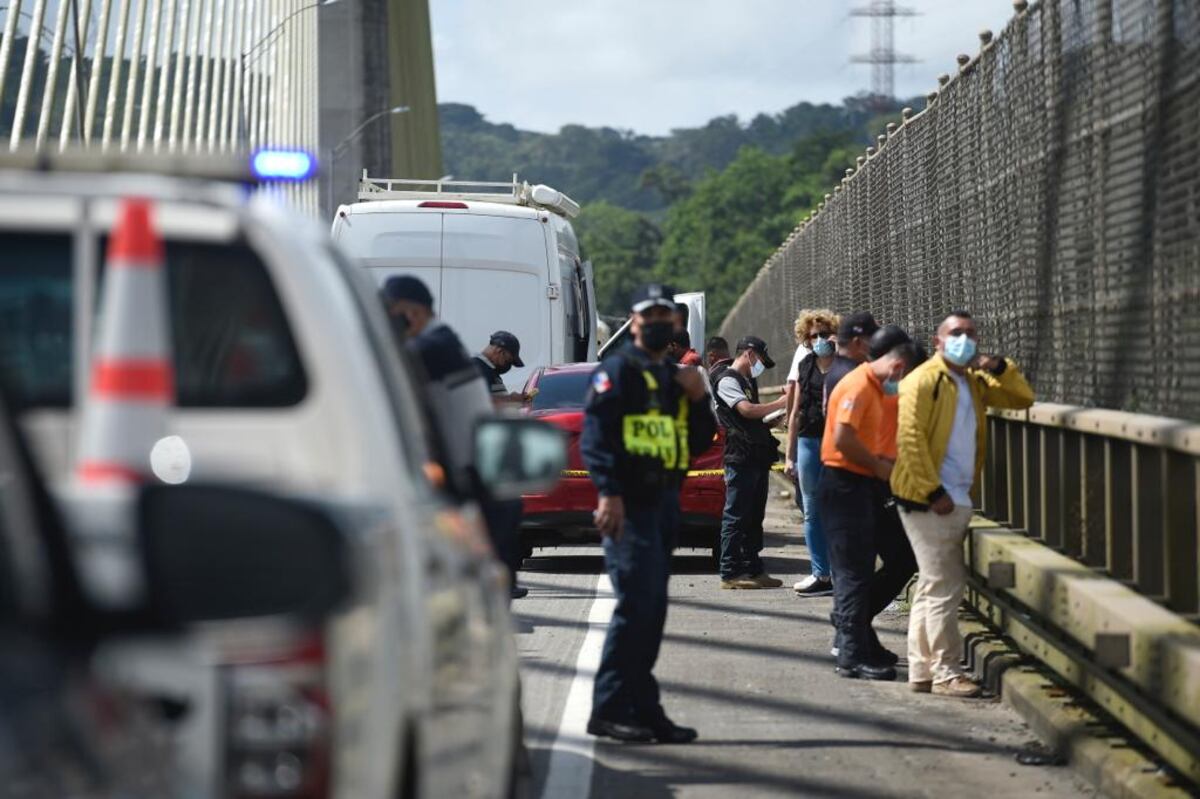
<point x="589" y="287"/>
<point x="495" y="277"/>
<point x="396" y="243"/>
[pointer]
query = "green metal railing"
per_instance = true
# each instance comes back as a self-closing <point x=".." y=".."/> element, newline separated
<point x="1089" y="562"/>
<point x="1115" y="491"/>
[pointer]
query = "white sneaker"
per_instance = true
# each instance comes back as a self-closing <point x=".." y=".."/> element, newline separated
<point x="813" y="586"/>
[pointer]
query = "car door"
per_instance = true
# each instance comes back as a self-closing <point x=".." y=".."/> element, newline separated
<point x="694" y="300"/>
<point x="451" y="546"/>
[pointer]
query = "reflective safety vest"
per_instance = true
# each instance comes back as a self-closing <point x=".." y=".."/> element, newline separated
<point x="655" y="435"/>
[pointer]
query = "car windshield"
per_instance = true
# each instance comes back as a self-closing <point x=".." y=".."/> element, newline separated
<point x="561" y="390"/>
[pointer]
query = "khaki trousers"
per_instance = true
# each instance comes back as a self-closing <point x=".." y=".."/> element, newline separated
<point x="935" y="645"/>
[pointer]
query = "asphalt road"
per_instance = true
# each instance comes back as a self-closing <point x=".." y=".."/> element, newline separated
<point x="752" y="671"/>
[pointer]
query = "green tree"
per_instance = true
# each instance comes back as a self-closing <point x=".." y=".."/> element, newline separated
<point x="623" y="247"/>
<point x="717" y="238"/>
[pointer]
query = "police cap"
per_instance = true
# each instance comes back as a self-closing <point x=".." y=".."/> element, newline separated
<point x="652" y="295"/>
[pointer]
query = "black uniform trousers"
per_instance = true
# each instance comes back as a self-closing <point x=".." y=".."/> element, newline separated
<point x="861" y="522"/>
<point x="747" y="487"/>
<point x="639" y="567"/>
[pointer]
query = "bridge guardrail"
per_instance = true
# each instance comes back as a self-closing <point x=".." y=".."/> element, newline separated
<point x="1116" y="491"/>
<point x="1133" y="657"/>
<point x="1095" y="570"/>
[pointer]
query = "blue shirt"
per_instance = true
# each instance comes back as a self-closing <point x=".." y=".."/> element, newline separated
<point x="958" y="467"/>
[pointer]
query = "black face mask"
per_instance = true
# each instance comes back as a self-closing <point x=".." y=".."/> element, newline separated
<point x="657" y="335"/>
<point x="502" y="370"/>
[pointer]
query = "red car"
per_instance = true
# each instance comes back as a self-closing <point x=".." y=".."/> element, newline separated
<point x="564" y="516"/>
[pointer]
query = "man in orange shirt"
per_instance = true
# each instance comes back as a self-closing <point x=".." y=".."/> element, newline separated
<point x="858" y="451"/>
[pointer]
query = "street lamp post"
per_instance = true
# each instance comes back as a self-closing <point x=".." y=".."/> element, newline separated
<point x="336" y="151"/>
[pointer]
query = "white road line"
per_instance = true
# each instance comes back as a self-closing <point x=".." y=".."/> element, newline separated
<point x="569" y="775"/>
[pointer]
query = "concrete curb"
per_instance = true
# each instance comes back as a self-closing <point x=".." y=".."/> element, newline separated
<point x="1095" y="746"/>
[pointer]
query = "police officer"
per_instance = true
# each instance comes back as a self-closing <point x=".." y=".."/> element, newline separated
<point x="502" y="353"/>
<point x="750" y="450"/>
<point x="645" y="419"/>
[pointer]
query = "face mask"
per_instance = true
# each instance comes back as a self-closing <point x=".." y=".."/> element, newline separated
<point x="503" y="370"/>
<point x="657" y="335"/>
<point x="823" y="347"/>
<point x="891" y="387"/>
<point x="757" y="368"/>
<point x="959" y="350"/>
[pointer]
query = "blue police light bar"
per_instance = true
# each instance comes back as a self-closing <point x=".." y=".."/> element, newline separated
<point x="289" y="165"/>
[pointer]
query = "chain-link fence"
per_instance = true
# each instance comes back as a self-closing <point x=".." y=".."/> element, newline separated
<point x="1052" y="188"/>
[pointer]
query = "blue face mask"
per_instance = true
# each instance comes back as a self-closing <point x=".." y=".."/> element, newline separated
<point x="823" y="347"/>
<point x="891" y="387"/>
<point x="757" y="368"/>
<point x="959" y="350"/>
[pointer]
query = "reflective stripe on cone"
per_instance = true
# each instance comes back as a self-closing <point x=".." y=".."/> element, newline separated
<point x="132" y="380"/>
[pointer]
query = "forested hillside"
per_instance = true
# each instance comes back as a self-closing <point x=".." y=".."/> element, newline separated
<point x="702" y="207"/>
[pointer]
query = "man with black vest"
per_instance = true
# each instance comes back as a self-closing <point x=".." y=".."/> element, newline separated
<point x="750" y="450"/>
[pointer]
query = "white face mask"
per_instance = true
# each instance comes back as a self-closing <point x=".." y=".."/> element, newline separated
<point x="757" y="368"/>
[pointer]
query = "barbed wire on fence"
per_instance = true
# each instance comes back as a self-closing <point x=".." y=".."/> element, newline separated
<point x="1052" y="187"/>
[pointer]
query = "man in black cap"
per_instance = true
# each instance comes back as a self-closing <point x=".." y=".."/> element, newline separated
<point x="457" y="397"/>
<point x="750" y="449"/>
<point x="853" y="348"/>
<point x="645" y="419"/>
<point x="453" y="383"/>
<point x="502" y="353"/>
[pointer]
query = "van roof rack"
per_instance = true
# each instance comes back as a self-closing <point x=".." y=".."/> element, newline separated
<point x="518" y="192"/>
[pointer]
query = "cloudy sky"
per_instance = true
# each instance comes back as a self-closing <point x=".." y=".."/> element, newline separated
<point x="652" y="65"/>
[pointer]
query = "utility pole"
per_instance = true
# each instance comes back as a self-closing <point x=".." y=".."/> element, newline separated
<point x="883" y="56"/>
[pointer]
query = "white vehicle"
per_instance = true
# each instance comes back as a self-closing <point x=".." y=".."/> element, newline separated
<point x="288" y="377"/>
<point x="496" y="256"/>
<point x="696" y="325"/>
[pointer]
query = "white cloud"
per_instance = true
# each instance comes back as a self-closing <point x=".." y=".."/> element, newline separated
<point x="650" y="65"/>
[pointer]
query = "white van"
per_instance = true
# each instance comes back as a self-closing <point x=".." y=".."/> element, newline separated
<point x="496" y="256"/>
<point x="697" y="323"/>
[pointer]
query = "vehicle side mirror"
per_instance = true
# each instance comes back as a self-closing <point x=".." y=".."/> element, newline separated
<point x="519" y="456"/>
<point x="216" y="552"/>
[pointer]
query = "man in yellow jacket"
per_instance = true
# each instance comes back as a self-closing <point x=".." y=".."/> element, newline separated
<point x="941" y="443"/>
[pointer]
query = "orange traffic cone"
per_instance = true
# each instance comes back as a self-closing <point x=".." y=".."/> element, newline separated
<point x="132" y="381"/>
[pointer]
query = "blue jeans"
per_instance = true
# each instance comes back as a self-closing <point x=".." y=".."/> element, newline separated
<point x="808" y="468"/>
<point x="746" y="488"/>
<point x="639" y="566"/>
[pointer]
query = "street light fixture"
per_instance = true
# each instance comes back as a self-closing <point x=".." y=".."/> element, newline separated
<point x="337" y="150"/>
<point x="263" y="40"/>
<point x="269" y="37"/>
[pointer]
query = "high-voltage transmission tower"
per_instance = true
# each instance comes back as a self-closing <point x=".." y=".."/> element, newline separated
<point x="883" y="56"/>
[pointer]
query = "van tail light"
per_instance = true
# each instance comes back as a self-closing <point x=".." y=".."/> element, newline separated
<point x="442" y="204"/>
<point x="278" y="724"/>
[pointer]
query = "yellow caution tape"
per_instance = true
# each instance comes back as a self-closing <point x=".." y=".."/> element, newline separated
<point x="693" y="473"/>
